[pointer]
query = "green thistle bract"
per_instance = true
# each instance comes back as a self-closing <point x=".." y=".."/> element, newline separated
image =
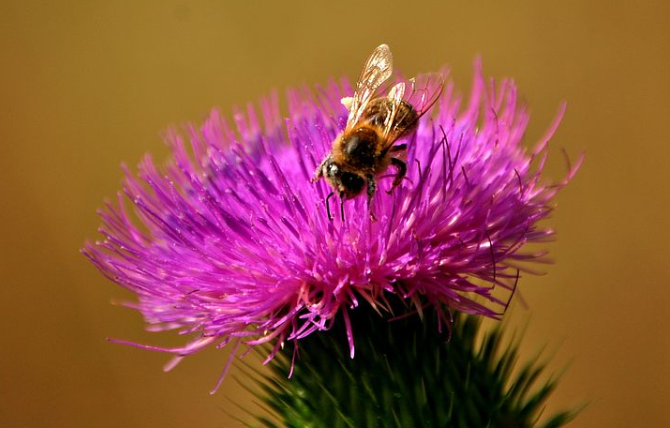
<point x="407" y="374"/>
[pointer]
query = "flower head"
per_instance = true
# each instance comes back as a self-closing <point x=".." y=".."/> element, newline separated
<point x="231" y="241"/>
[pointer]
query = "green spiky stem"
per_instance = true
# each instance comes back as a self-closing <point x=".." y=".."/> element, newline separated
<point x="406" y="374"/>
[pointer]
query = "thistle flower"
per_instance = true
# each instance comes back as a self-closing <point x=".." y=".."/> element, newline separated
<point x="231" y="241"/>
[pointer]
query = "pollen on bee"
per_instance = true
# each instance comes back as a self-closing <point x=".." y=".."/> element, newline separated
<point x="347" y="101"/>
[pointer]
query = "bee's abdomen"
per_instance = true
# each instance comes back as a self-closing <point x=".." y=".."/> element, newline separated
<point x="379" y="109"/>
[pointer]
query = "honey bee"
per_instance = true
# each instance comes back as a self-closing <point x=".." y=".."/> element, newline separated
<point x="366" y="147"/>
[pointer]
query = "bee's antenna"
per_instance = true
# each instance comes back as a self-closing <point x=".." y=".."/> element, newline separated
<point x="330" y="217"/>
<point x="342" y="206"/>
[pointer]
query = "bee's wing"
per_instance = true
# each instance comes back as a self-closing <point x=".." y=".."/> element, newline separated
<point x="424" y="91"/>
<point x="395" y="97"/>
<point x="421" y="93"/>
<point x="377" y="70"/>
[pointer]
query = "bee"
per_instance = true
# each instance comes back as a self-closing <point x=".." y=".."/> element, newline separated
<point x="367" y="146"/>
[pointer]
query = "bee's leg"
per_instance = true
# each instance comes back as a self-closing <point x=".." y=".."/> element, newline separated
<point x="402" y="170"/>
<point x="319" y="171"/>
<point x="342" y="206"/>
<point x="330" y="217"/>
<point x="372" y="188"/>
<point x="398" y="148"/>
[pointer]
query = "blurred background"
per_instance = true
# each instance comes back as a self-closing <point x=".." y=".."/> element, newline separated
<point x="86" y="85"/>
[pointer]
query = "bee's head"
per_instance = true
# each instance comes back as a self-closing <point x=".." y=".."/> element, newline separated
<point x="351" y="184"/>
<point x="347" y="183"/>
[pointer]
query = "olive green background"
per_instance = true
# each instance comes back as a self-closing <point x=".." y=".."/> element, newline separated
<point x="86" y="85"/>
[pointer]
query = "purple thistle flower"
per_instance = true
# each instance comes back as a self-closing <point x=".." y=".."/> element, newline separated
<point x="231" y="241"/>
